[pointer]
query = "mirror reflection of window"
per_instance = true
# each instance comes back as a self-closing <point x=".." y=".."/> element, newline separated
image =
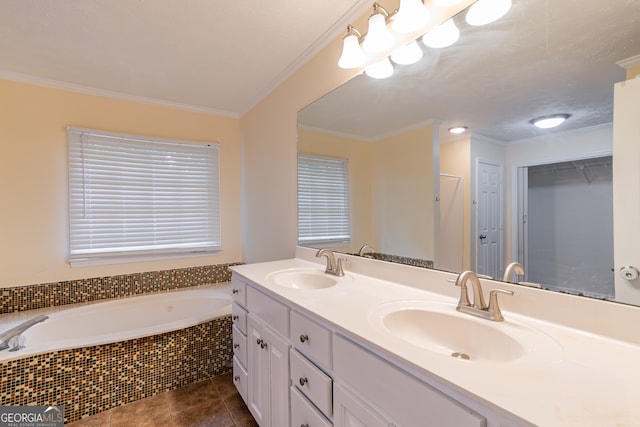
<point x="323" y="201"/>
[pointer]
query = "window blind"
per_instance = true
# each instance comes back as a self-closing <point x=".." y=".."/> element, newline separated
<point x="323" y="200"/>
<point x="136" y="196"/>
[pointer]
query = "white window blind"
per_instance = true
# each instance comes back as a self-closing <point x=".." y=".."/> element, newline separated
<point x="133" y="196"/>
<point x="323" y="200"/>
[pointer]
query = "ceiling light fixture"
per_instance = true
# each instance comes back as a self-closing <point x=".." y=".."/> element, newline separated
<point x="550" y="121"/>
<point x="407" y="54"/>
<point x="411" y="16"/>
<point x="378" y="38"/>
<point x="380" y="70"/>
<point x="443" y="35"/>
<point x="458" y="129"/>
<point x="446" y="3"/>
<point x="484" y="12"/>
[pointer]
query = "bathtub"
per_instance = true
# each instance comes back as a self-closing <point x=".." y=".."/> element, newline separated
<point x="118" y="320"/>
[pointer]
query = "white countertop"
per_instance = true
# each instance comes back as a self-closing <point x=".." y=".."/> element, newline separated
<point x="588" y="380"/>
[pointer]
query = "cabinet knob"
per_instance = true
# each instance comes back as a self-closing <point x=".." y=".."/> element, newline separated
<point x="259" y="341"/>
<point x="235" y="317"/>
<point x="236" y="346"/>
<point x="263" y="344"/>
<point x="304" y="338"/>
<point x="303" y="381"/>
<point x="236" y="378"/>
<point x="304" y="425"/>
<point x="235" y="291"/>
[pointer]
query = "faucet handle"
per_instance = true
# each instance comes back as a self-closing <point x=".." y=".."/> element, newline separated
<point x="494" y="308"/>
<point x="339" y="267"/>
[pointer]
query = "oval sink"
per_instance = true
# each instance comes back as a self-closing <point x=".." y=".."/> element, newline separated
<point x="304" y="279"/>
<point x="439" y="328"/>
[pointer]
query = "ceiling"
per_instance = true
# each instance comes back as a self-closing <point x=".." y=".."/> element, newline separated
<point x="205" y="55"/>
<point x="543" y="57"/>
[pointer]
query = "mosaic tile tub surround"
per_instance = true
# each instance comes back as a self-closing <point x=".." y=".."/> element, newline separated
<point x="93" y="379"/>
<point x="31" y="297"/>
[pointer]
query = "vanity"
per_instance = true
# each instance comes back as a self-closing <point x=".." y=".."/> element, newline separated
<point x="383" y="345"/>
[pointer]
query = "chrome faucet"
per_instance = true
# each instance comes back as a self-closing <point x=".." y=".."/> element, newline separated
<point x="479" y="307"/>
<point x="364" y="248"/>
<point x="514" y="267"/>
<point x="333" y="266"/>
<point x="16" y="331"/>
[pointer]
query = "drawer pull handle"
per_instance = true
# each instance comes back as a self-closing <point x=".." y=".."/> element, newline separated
<point x="235" y="317"/>
<point x="236" y="378"/>
<point x="235" y="291"/>
<point x="236" y="346"/>
<point x="303" y="381"/>
<point x="304" y="338"/>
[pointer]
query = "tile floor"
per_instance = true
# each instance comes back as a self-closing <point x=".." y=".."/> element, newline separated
<point x="210" y="403"/>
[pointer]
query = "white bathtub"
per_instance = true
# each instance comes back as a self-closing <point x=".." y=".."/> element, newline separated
<point x="120" y="320"/>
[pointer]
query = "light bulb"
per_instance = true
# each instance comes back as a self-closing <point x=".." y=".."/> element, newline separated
<point x="378" y="38"/>
<point x="484" y="12"/>
<point x="380" y="70"/>
<point x="407" y="54"/>
<point x="352" y="54"/>
<point x="446" y="3"/>
<point x="443" y="35"/>
<point x="411" y="16"/>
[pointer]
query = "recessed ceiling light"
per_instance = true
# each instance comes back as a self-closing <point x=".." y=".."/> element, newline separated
<point x="458" y="129"/>
<point x="550" y="121"/>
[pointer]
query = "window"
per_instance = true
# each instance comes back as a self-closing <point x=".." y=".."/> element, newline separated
<point x="323" y="200"/>
<point x="133" y="197"/>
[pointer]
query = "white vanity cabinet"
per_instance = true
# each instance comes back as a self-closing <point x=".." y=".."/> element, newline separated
<point x="261" y="354"/>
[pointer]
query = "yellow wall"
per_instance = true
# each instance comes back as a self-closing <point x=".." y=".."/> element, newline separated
<point x="455" y="159"/>
<point x="403" y="194"/>
<point x="359" y="155"/>
<point x="633" y="71"/>
<point x="33" y="176"/>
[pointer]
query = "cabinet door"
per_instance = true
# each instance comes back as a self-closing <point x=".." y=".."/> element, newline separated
<point x="258" y="372"/>
<point x="349" y="411"/>
<point x="278" y="353"/>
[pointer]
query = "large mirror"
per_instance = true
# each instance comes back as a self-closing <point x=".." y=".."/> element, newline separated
<point x="503" y="190"/>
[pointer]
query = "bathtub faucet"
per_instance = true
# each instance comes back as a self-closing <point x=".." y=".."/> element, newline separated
<point x="16" y="331"/>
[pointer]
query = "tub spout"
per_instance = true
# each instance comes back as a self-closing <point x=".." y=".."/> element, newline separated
<point x="16" y="331"/>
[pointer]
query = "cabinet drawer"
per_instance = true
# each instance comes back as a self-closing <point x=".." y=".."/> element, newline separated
<point x="239" y="346"/>
<point x="239" y="291"/>
<point x="311" y="339"/>
<point x="380" y="383"/>
<point x="311" y="381"/>
<point x="304" y="414"/>
<point x="274" y="313"/>
<point x="239" y="318"/>
<point x="240" y="379"/>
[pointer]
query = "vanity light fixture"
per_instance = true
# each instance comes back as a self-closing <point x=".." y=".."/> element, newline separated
<point x="411" y="16"/>
<point x="387" y="30"/>
<point x="407" y="54"/>
<point x="458" y="129"/>
<point x="378" y="38"/>
<point x="443" y="35"/>
<point x="484" y="12"/>
<point x="550" y="121"/>
<point x="352" y="54"/>
<point x="380" y="70"/>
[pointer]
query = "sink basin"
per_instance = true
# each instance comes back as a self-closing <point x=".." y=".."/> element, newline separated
<point x="439" y="328"/>
<point x="303" y="278"/>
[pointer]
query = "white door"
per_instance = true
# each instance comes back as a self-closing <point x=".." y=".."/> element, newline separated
<point x="626" y="190"/>
<point x="489" y="219"/>
<point x="278" y="353"/>
<point x="522" y="236"/>
<point x="349" y="411"/>
<point x="258" y="370"/>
